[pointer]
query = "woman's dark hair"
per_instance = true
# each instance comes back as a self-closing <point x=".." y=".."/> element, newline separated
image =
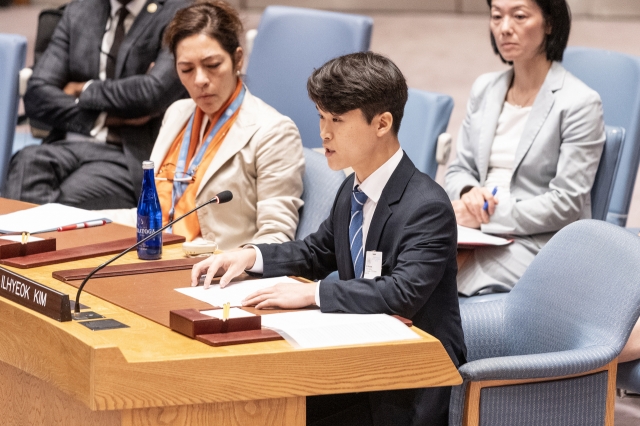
<point x="365" y="81"/>
<point x="214" y="18"/>
<point x="557" y="15"/>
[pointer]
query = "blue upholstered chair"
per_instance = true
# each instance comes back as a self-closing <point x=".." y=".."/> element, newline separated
<point x="426" y="116"/>
<point x="290" y="44"/>
<point x="13" y="50"/>
<point x="616" y="77"/>
<point x="546" y="353"/>
<point x="320" y="187"/>
<point x="603" y="186"/>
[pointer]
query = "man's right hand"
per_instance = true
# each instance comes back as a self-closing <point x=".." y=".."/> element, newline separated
<point x="233" y="263"/>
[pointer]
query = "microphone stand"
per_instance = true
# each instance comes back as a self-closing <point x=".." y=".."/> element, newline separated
<point x="217" y="199"/>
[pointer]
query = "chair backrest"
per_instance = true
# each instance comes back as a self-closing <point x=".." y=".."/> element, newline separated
<point x="602" y="189"/>
<point x="580" y="290"/>
<point x="426" y="116"/>
<point x="290" y="44"/>
<point x="13" y="51"/>
<point x="616" y="77"/>
<point x="320" y="185"/>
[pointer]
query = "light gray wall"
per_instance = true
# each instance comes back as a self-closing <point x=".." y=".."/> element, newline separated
<point x="596" y="8"/>
<point x="365" y="5"/>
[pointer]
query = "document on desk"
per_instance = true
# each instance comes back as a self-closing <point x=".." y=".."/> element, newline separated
<point x="233" y="293"/>
<point x="314" y="329"/>
<point x="45" y="218"/>
<point x="477" y="238"/>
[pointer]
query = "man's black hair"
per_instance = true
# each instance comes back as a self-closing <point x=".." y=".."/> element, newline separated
<point x="366" y="81"/>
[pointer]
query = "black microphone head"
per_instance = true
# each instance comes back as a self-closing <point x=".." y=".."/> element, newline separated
<point x="224" y="197"/>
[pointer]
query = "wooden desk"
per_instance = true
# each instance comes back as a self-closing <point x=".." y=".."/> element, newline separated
<point x="64" y="374"/>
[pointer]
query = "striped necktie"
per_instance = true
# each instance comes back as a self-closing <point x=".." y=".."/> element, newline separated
<point x="358" y="198"/>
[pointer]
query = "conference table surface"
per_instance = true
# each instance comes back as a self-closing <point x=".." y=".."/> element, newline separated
<point x="62" y="373"/>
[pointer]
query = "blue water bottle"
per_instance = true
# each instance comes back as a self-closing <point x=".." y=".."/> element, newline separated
<point x="149" y="215"/>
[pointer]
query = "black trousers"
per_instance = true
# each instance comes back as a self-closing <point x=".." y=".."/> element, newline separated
<point x="406" y="407"/>
<point x="80" y="174"/>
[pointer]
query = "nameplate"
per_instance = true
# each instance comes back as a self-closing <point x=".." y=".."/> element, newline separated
<point x="34" y="296"/>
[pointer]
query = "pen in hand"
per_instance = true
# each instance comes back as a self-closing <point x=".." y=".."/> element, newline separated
<point x="485" y="206"/>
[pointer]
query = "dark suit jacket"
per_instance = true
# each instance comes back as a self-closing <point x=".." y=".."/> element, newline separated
<point x="74" y="55"/>
<point x="415" y="229"/>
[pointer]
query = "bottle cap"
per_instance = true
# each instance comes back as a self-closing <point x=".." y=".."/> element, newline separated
<point x="146" y="165"/>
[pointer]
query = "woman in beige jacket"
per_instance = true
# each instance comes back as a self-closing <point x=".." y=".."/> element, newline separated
<point x="247" y="147"/>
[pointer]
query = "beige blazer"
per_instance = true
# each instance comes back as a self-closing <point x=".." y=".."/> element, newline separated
<point x="556" y="160"/>
<point x="260" y="161"/>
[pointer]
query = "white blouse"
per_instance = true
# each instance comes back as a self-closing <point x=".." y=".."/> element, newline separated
<point x="503" y="150"/>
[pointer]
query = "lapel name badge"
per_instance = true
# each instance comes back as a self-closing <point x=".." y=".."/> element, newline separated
<point x="373" y="264"/>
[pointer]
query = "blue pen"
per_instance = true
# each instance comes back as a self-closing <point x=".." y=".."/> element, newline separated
<point x="486" y="203"/>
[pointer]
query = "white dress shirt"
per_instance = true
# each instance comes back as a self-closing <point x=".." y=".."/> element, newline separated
<point x="372" y="186"/>
<point x="99" y="131"/>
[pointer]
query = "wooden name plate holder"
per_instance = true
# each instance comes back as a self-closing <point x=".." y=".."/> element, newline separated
<point x="147" y="267"/>
<point x="10" y="249"/>
<point x="216" y="332"/>
<point x="34" y="296"/>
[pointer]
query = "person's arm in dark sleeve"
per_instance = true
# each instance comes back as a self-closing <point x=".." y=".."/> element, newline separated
<point x="45" y="99"/>
<point x="313" y="258"/>
<point x="136" y="96"/>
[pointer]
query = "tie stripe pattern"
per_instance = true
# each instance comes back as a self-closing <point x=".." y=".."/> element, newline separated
<point x="358" y="198"/>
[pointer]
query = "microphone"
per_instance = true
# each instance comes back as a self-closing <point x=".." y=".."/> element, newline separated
<point x="221" y="198"/>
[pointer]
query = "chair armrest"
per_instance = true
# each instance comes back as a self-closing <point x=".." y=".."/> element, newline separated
<point x="24" y="76"/>
<point x="483" y="325"/>
<point x="552" y="364"/>
<point x="443" y="148"/>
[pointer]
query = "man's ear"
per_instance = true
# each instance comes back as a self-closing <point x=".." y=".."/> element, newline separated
<point x="384" y="123"/>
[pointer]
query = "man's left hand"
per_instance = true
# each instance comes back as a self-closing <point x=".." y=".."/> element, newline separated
<point x="283" y="295"/>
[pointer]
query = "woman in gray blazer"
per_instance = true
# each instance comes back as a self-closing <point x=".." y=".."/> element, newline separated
<point x="529" y="147"/>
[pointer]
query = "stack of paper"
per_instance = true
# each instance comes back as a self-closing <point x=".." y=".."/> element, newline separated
<point x="233" y="293"/>
<point x="476" y="238"/>
<point x="314" y="329"/>
<point x="45" y="218"/>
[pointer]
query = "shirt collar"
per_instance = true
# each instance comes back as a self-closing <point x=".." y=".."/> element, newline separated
<point x="134" y="7"/>
<point x="375" y="183"/>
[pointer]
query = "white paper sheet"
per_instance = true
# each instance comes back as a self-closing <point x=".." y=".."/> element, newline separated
<point x="475" y="237"/>
<point x="233" y="293"/>
<point x="314" y="329"/>
<point x="45" y="218"/>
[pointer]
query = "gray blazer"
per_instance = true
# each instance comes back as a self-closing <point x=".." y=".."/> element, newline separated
<point x="556" y="158"/>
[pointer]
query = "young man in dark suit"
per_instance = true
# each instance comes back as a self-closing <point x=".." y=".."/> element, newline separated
<point x="103" y="85"/>
<point x="387" y="206"/>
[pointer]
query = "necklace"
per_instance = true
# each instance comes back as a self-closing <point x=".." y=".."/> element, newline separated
<point x="515" y="102"/>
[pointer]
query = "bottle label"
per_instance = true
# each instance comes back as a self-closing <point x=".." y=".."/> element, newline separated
<point x="151" y="249"/>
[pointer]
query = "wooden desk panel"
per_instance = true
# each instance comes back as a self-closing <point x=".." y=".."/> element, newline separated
<point x="149" y="375"/>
